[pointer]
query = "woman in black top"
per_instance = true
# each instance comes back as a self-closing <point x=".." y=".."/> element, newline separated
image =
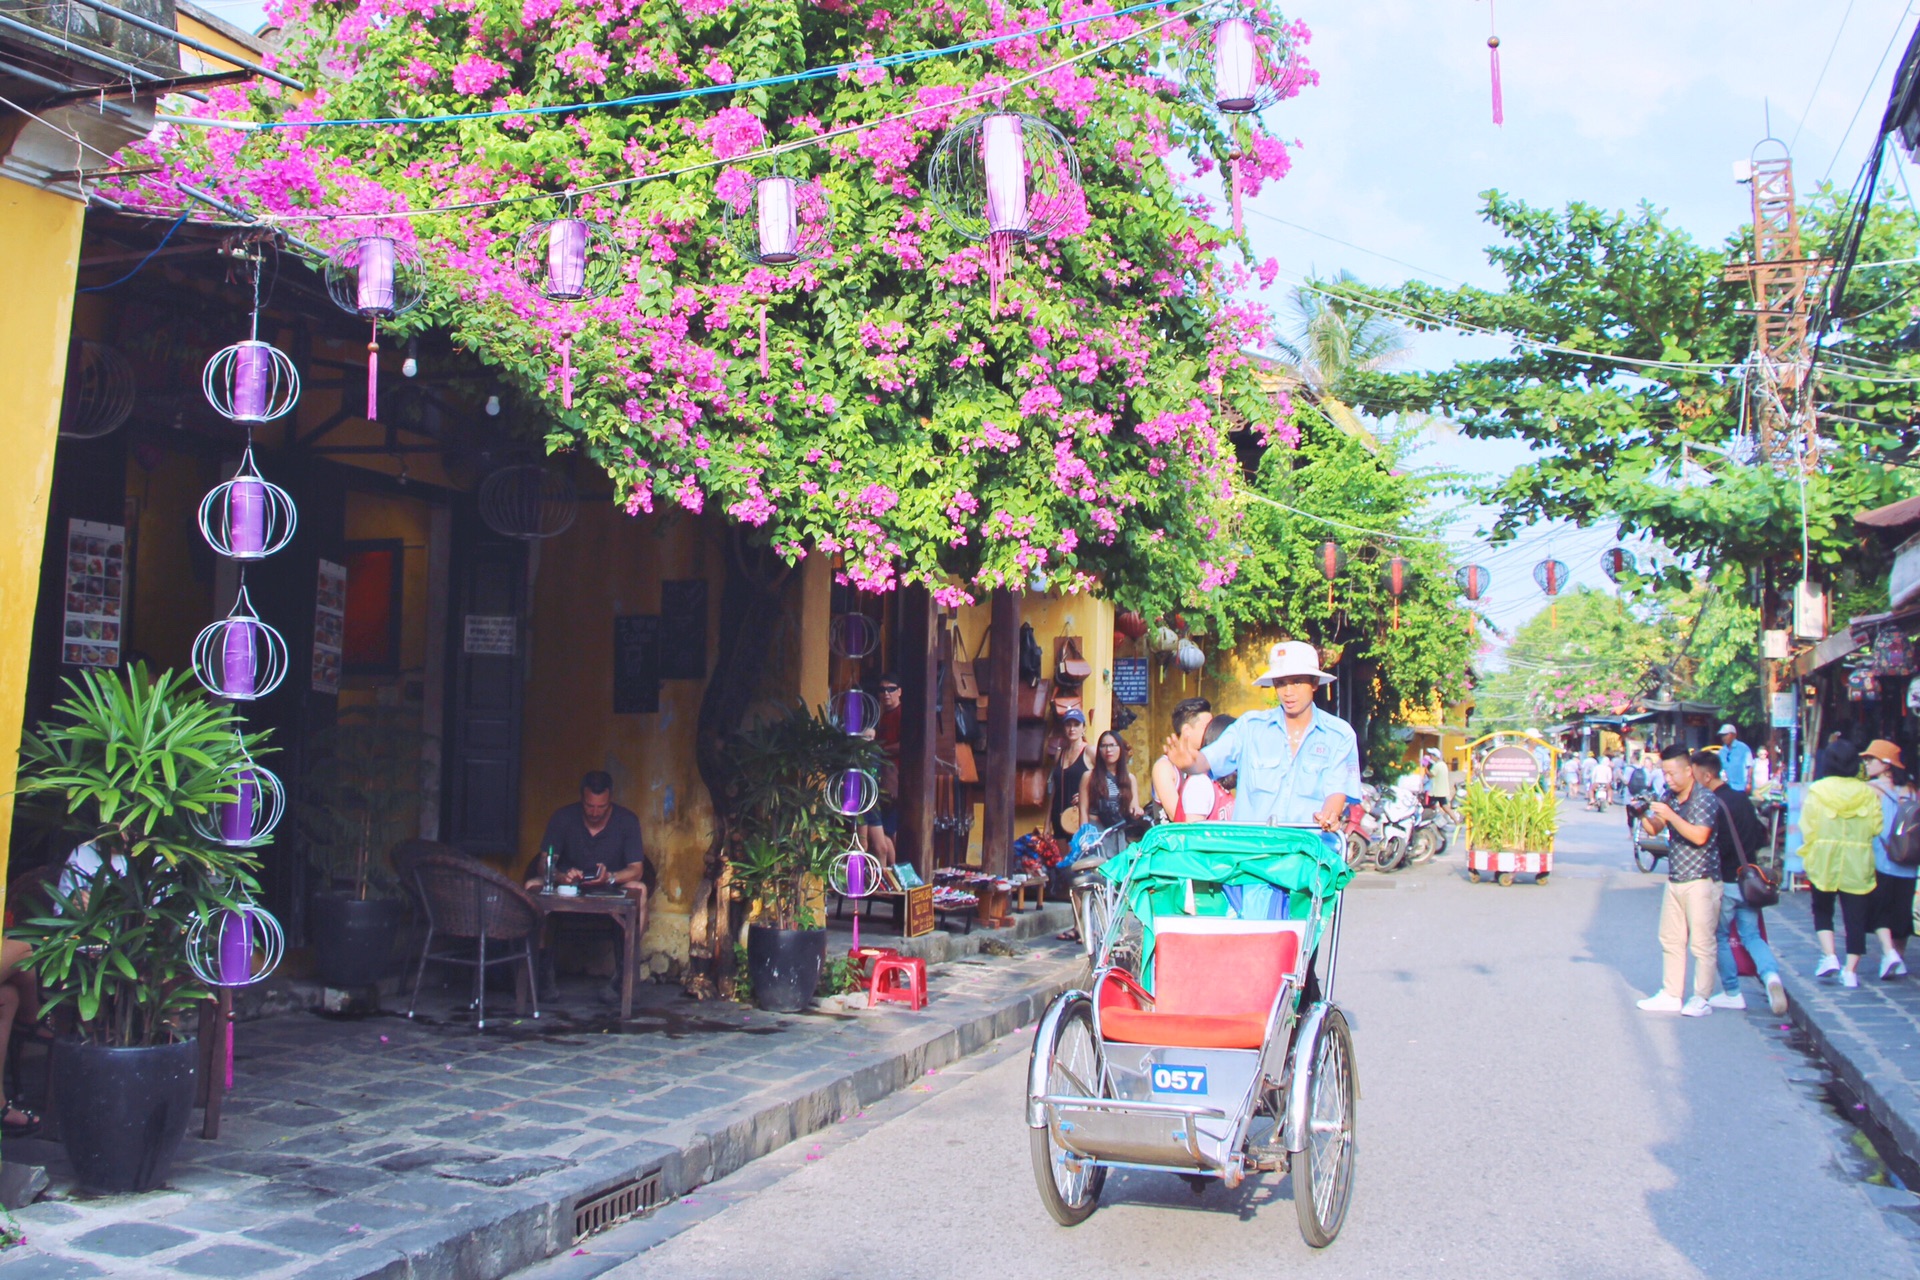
<point x="1110" y="793"/>
<point x="1069" y="767"/>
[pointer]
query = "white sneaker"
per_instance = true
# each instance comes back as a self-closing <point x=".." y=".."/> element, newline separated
<point x="1696" y="1008"/>
<point x="1728" y="1000"/>
<point x="1776" y="994"/>
<point x="1891" y="966"/>
<point x="1829" y="965"/>
<point x="1661" y="1002"/>
<point x="1848" y="978"/>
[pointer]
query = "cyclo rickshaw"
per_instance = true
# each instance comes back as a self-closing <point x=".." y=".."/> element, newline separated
<point x="1203" y="1047"/>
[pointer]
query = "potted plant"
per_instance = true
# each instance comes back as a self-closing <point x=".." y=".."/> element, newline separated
<point x="127" y="765"/>
<point x="786" y="830"/>
<point x="361" y="797"/>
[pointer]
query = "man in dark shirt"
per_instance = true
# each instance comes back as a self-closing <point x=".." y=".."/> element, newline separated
<point x="595" y="843"/>
<point x="1690" y="908"/>
<point x="1740" y="836"/>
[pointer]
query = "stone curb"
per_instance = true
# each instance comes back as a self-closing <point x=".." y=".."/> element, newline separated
<point x="520" y="1226"/>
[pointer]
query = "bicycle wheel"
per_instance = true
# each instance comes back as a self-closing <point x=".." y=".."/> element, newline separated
<point x="1069" y="1187"/>
<point x="1323" y="1169"/>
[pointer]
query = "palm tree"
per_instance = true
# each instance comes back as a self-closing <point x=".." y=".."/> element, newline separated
<point x="1333" y="339"/>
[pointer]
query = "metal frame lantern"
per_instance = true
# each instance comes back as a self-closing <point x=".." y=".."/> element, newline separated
<point x="247" y="821"/>
<point x="251" y="381"/>
<point x="853" y="711"/>
<point x="1395" y="579"/>
<point x="375" y="278"/>
<point x="567" y="260"/>
<point x="528" y="501"/>
<point x="781" y="221"/>
<point x="99" y="391"/>
<point x="221" y="945"/>
<point x="1003" y="177"/>
<point x="1616" y="562"/>
<point x="852" y="792"/>
<point x="1237" y="62"/>
<point x="240" y="658"/>
<point x="853" y="635"/>
<point x="248" y="517"/>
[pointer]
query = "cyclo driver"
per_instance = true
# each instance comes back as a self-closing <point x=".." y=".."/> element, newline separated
<point x="1297" y="763"/>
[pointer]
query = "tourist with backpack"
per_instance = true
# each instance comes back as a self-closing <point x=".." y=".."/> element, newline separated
<point x="1741" y="836"/>
<point x="1896" y="856"/>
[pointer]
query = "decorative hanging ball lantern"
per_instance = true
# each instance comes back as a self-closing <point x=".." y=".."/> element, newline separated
<point x="1165" y="639"/>
<point x="852" y="792"/>
<point x="235" y="947"/>
<point x="528" y="501"/>
<point x="778" y="221"/>
<point x="853" y="711"/>
<point x="1238" y="64"/>
<point x="1189" y="657"/>
<point x="99" y="391"/>
<point x="240" y="657"/>
<point x="854" y="874"/>
<point x="567" y="259"/>
<point x="375" y="278"/>
<point x="1395" y="580"/>
<point x="1551" y="576"/>
<point x="1333" y="563"/>
<point x="247" y="518"/>
<point x="1473" y="582"/>
<point x="251" y="381"/>
<point x="1004" y="178"/>
<point x="853" y="635"/>
<point x="249" y="819"/>
<point x="1130" y="624"/>
<point x="1616" y="563"/>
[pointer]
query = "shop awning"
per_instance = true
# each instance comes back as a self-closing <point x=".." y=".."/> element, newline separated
<point x="1831" y="650"/>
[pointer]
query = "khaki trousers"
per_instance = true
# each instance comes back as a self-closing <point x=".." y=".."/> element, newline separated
<point x="1690" y="921"/>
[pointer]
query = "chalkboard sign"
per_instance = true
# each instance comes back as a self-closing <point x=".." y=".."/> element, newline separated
<point x="636" y="664"/>
<point x="1130" y="681"/>
<point x="683" y="629"/>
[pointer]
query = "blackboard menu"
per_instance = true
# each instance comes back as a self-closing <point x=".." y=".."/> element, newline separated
<point x="683" y="629"/>
<point x="636" y="664"/>
<point x="1130" y="682"/>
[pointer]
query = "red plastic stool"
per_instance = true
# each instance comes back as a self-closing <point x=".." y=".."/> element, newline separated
<point x="912" y="968"/>
<point x="864" y="957"/>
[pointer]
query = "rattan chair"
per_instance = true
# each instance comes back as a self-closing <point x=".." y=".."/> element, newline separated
<point x="470" y="902"/>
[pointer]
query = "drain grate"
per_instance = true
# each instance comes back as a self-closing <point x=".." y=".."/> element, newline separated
<point x="615" y="1205"/>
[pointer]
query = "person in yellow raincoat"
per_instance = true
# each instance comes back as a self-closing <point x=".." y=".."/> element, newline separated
<point x="1838" y="823"/>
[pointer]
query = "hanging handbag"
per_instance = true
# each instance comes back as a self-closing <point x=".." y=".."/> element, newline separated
<point x="1070" y="666"/>
<point x="1030" y="788"/>
<point x="966" y="719"/>
<point x="1030" y="742"/>
<point x="1030" y="701"/>
<point x="1758" y="889"/>
<point x="966" y="681"/>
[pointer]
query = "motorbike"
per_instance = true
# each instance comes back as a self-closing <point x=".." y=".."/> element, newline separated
<point x="1431" y="831"/>
<point x="1394" y="815"/>
<point x="1599" y="798"/>
<point x="1356" y="839"/>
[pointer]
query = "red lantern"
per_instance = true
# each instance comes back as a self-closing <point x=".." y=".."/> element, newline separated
<point x="1396" y="581"/>
<point x="1616" y="561"/>
<point x="1333" y="563"/>
<point x="1473" y="582"/>
<point x="1551" y="575"/>
<point x="1130" y="624"/>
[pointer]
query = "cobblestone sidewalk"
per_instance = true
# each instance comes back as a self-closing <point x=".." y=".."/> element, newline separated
<point x="375" y="1146"/>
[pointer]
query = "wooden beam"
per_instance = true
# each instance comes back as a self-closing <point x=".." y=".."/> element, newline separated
<point x="918" y="723"/>
<point x="996" y="771"/>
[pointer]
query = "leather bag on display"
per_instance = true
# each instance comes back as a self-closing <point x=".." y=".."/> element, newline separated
<point x="1030" y="788"/>
<point x="1070" y="666"/>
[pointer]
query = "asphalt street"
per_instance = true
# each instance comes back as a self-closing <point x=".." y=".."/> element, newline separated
<point x="1518" y="1118"/>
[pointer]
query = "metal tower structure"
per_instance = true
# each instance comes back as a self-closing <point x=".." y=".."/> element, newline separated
<point x="1783" y="279"/>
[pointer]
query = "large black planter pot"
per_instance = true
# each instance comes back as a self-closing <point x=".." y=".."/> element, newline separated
<point x="123" y="1111"/>
<point x="784" y="966"/>
<point x="353" y="939"/>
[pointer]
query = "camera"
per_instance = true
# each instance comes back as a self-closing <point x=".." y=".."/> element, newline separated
<point x="1638" y="806"/>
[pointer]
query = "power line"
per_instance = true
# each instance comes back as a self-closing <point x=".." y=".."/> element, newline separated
<point x="1868" y="93"/>
<point x="1822" y="77"/>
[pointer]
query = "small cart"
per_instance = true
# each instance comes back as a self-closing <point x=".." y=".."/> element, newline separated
<point x="1505" y="762"/>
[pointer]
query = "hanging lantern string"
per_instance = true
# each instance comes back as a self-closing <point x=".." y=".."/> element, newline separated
<point x="836" y="70"/>
<point x="738" y="161"/>
<point x="1493" y="58"/>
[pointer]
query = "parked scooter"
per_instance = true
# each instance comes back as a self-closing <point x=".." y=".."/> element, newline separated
<point x="1394" y="815"/>
<point x="1431" y="831"/>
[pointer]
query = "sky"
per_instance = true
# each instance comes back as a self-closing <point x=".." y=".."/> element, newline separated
<point x="1609" y="103"/>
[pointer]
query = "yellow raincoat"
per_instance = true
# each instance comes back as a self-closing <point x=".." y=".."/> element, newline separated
<point x="1838" y="822"/>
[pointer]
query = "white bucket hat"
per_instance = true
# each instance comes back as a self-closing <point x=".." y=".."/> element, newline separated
<point x="1292" y="658"/>
<point x="1728" y="728"/>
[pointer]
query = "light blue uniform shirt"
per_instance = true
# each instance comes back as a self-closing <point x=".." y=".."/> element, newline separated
<point x="1736" y="761"/>
<point x="1275" y="784"/>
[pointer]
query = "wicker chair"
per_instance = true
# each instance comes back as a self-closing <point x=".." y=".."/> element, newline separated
<point x="467" y="900"/>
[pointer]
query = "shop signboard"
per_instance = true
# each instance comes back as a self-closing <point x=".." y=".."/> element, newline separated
<point x="1130" y="682"/>
<point x="491" y="635"/>
<point x="919" y="910"/>
<point x="96" y="574"/>
<point x="1509" y="768"/>
<point x="1783" y="709"/>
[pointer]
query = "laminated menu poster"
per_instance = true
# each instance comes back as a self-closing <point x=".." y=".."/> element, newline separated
<point x="96" y="573"/>
<point x="329" y="626"/>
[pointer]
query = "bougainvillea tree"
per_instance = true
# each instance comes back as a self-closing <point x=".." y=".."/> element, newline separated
<point x="1076" y="435"/>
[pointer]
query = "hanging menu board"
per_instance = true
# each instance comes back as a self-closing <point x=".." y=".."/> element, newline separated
<point x="636" y="664"/>
<point x="96" y="573"/>
<point x="683" y="629"/>
<point x="329" y="626"/>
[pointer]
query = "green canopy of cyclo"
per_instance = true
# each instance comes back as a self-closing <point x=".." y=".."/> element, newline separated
<point x="1202" y="868"/>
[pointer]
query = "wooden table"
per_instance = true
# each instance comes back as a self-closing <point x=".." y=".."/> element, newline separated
<point x="624" y="911"/>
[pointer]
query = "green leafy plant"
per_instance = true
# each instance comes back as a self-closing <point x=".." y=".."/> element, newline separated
<point x="1523" y="819"/>
<point x="841" y="976"/>
<point x="362" y="795"/>
<point x="785" y="827"/>
<point x="128" y="764"/>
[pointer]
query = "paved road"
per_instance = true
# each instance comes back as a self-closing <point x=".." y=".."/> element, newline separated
<point x="1519" y="1118"/>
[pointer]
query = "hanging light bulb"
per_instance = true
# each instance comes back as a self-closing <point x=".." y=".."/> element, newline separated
<point x="410" y="367"/>
<point x="493" y="406"/>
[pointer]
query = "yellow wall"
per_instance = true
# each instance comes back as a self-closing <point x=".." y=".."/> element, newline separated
<point x="609" y="565"/>
<point x="1225" y="682"/>
<point x="39" y="253"/>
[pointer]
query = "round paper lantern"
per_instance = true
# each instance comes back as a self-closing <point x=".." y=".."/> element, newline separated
<point x="1165" y="639"/>
<point x="247" y="518"/>
<point x="99" y="391"/>
<point x="1395" y="580"/>
<point x="1003" y="178"/>
<point x="1473" y="581"/>
<point x="240" y="657"/>
<point x="1551" y="576"/>
<point x="1130" y="624"/>
<point x="528" y="501"/>
<point x="221" y="946"/>
<point x="1237" y="62"/>
<point x="251" y="381"/>
<point x="1616" y="562"/>
<point x="1189" y="656"/>
<point x="1333" y="563"/>
<point x="375" y="278"/>
<point x="779" y="221"/>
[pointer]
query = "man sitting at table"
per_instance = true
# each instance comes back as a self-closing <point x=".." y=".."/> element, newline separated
<point x="595" y="843"/>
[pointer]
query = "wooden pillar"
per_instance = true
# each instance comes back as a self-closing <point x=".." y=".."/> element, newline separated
<point x="996" y="771"/>
<point x="918" y="722"/>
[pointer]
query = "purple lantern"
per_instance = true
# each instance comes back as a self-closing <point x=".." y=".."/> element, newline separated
<point x="777" y="221"/>
<point x="376" y="278"/>
<point x="236" y="819"/>
<point x="782" y="221"/>
<point x="240" y="657"/>
<point x="247" y="518"/>
<point x="250" y="381"/>
<point x="856" y="877"/>
<point x="237" y="669"/>
<point x="373" y="291"/>
<point x="1005" y="158"/>
<point x="566" y="260"/>
<point x="1235" y="66"/>
<point x="1004" y="178"/>
<point x="236" y="950"/>
<point x="252" y="373"/>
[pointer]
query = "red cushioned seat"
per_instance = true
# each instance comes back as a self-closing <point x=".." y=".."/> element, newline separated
<point x="1215" y="982"/>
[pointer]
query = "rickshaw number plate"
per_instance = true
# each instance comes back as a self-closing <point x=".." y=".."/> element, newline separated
<point x="1171" y="1079"/>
